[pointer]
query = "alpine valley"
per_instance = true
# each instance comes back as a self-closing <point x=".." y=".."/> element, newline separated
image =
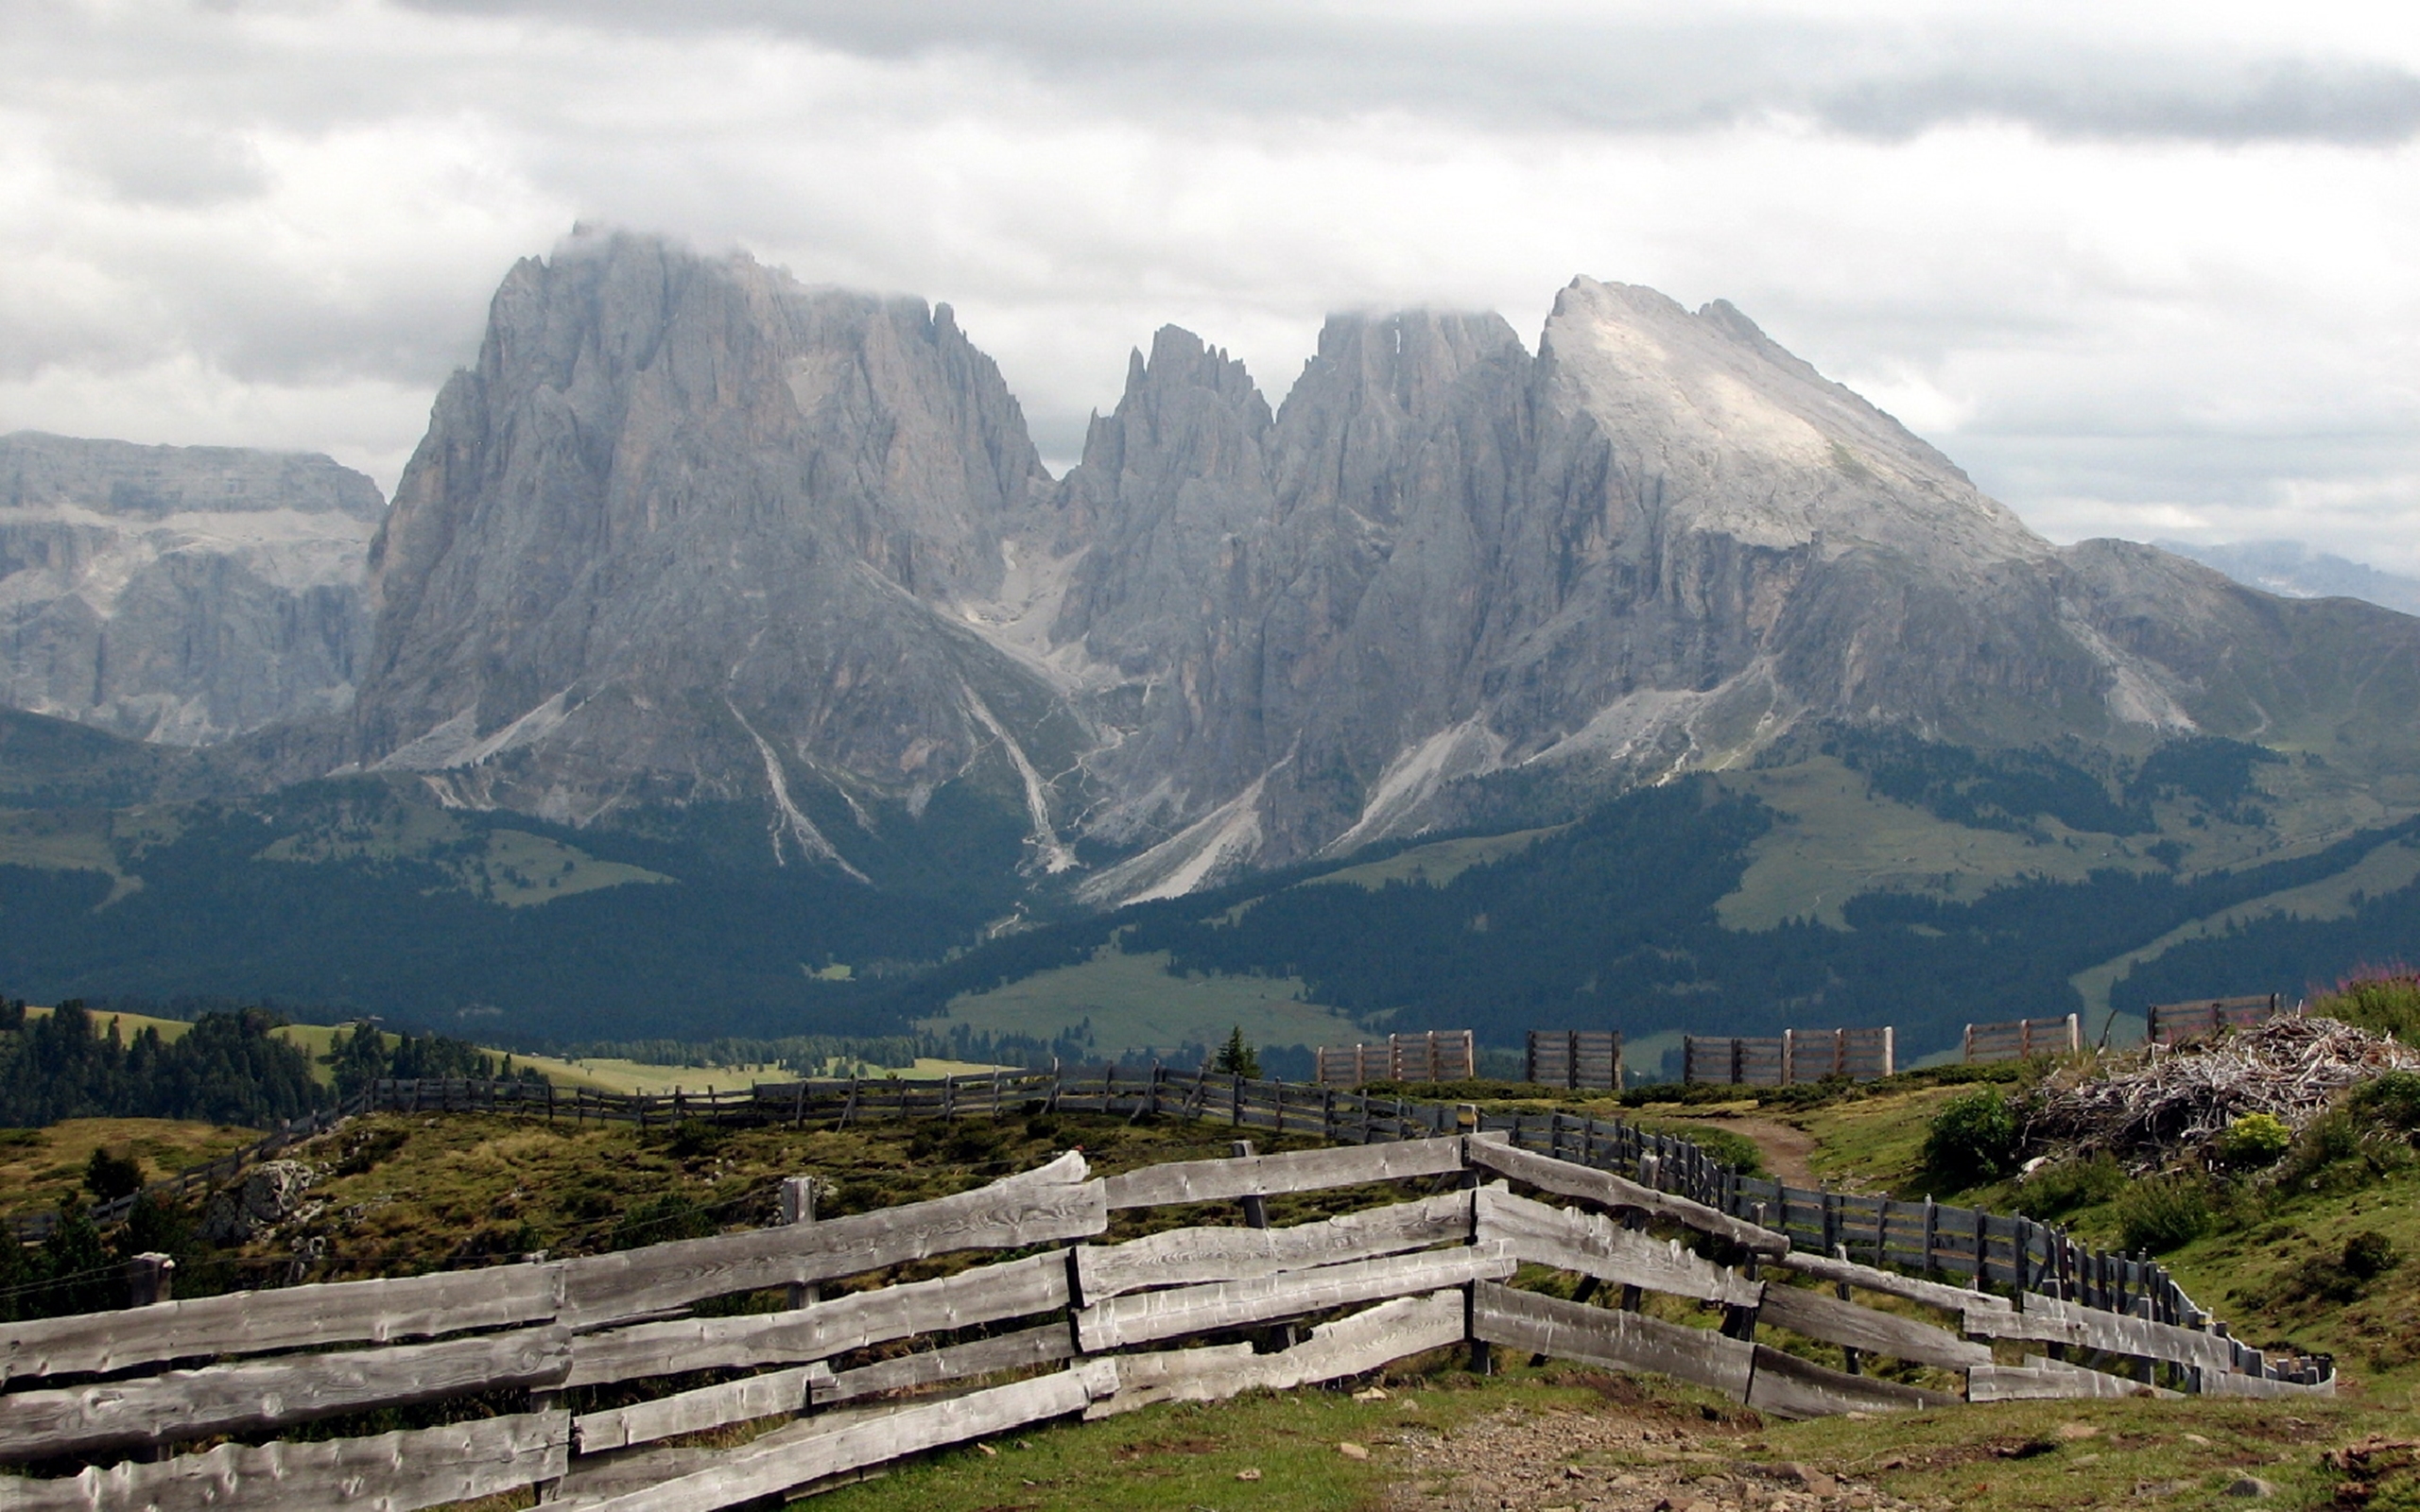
<point x="728" y="662"/>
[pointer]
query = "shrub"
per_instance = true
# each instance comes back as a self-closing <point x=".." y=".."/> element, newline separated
<point x="2384" y="1000"/>
<point x="2255" y="1141"/>
<point x="2391" y="1101"/>
<point x="109" y="1176"/>
<point x="2162" y="1214"/>
<point x="2368" y="1255"/>
<point x="1972" y="1140"/>
<point x="2055" y="1191"/>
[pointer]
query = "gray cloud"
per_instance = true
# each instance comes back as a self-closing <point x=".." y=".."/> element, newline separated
<point x="1712" y="69"/>
<point x="2144" y="279"/>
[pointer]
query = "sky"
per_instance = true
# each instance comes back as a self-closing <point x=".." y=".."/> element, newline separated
<point x="2144" y="269"/>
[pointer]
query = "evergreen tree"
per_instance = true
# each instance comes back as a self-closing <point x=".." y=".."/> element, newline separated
<point x="1236" y="1057"/>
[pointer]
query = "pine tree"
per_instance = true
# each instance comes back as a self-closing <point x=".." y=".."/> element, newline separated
<point x="1236" y="1057"/>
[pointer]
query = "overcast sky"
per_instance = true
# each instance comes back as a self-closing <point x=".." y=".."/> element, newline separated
<point x="2146" y="271"/>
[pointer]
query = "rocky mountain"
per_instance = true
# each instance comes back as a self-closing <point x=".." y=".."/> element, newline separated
<point x="692" y="533"/>
<point x="181" y="595"/>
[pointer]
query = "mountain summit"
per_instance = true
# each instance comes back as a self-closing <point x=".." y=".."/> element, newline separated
<point x="691" y="532"/>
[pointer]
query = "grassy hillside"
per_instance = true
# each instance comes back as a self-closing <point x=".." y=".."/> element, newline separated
<point x="1848" y="876"/>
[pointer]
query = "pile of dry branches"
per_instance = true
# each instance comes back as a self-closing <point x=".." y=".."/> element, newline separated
<point x="2151" y="1105"/>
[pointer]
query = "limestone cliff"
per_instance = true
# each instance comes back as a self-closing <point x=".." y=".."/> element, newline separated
<point x="179" y="593"/>
<point x="690" y="531"/>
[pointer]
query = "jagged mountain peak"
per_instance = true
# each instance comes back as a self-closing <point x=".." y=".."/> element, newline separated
<point x="1753" y="437"/>
<point x="692" y="531"/>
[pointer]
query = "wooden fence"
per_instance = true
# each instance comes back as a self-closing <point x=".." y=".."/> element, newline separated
<point x="2173" y="1023"/>
<point x="2023" y="1040"/>
<point x="1575" y="1058"/>
<point x="1437" y="1054"/>
<point x="609" y="1355"/>
<point x="1792" y="1056"/>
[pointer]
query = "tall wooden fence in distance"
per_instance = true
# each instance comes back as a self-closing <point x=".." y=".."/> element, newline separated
<point x="1437" y="1054"/>
<point x="612" y="1356"/>
<point x="1575" y="1059"/>
<point x="1792" y="1057"/>
<point x="2173" y="1023"/>
<point x="2023" y="1040"/>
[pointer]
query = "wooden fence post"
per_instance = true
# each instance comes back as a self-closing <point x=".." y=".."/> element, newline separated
<point x="150" y="1277"/>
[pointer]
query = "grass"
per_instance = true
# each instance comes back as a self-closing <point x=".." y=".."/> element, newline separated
<point x="2388" y="868"/>
<point x="41" y="1168"/>
<point x="1437" y="863"/>
<point x="2001" y="1458"/>
<point x="404" y="1191"/>
<point x="600" y="1074"/>
<point x="1133" y="1003"/>
<point x="1838" y="840"/>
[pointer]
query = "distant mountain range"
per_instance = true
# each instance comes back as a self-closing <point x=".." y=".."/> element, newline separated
<point x="727" y="655"/>
<point x="2293" y="570"/>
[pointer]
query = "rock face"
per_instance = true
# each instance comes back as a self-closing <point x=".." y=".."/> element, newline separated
<point x="181" y="595"/>
<point x="691" y="531"/>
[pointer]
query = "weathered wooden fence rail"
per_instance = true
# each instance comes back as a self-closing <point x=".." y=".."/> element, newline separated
<point x="2022" y="1040"/>
<point x="1084" y="1326"/>
<point x="1790" y="1056"/>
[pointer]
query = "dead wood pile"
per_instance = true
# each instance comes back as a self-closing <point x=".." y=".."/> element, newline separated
<point x="2153" y="1104"/>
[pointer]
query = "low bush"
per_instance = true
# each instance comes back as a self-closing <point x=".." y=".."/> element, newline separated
<point x="2384" y="1000"/>
<point x="2391" y="1101"/>
<point x="2053" y="1192"/>
<point x="1973" y="1140"/>
<point x="2253" y="1141"/>
<point x="109" y="1175"/>
<point x="2166" y="1214"/>
<point x="2369" y="1255"/>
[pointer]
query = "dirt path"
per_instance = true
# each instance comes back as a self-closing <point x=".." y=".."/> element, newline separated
<point x="1788" y="1149"/>
<point x="1635" y="1455"/>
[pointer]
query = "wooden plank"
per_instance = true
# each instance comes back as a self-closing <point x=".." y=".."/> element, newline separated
<point x="797" y="1458"/>
<point x="1493" y="1153"/>
<point x="1603" y="1336"/>
<point x="1788" y="1386"/>
<point x="1348" y="1347"/>
<point x="239" y="1397"/>
<point x="1834" y="1321"/>
<point x="297" y="1318"/>
<point x="1268" y="1176"/>
<point x="1142" y="1317"/>
<point x="1592" y="1245"/>
<point x="2053" y="1321"/>
<point x="985" y="1295"/>
<point x="2043" y="1380"/>
<point x="1046" y="1344"/>
<point x="1184" y="1257"/>
<point x="391" y="1472"/>
<point x="2236" y="1383"/>
<point x="1891" y="1283"/>
<point x="732" y="1402"/>
<point x="1039" y="1206"/>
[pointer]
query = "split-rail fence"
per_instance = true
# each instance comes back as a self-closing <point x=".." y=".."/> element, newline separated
<point x="605" y="1357"/>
